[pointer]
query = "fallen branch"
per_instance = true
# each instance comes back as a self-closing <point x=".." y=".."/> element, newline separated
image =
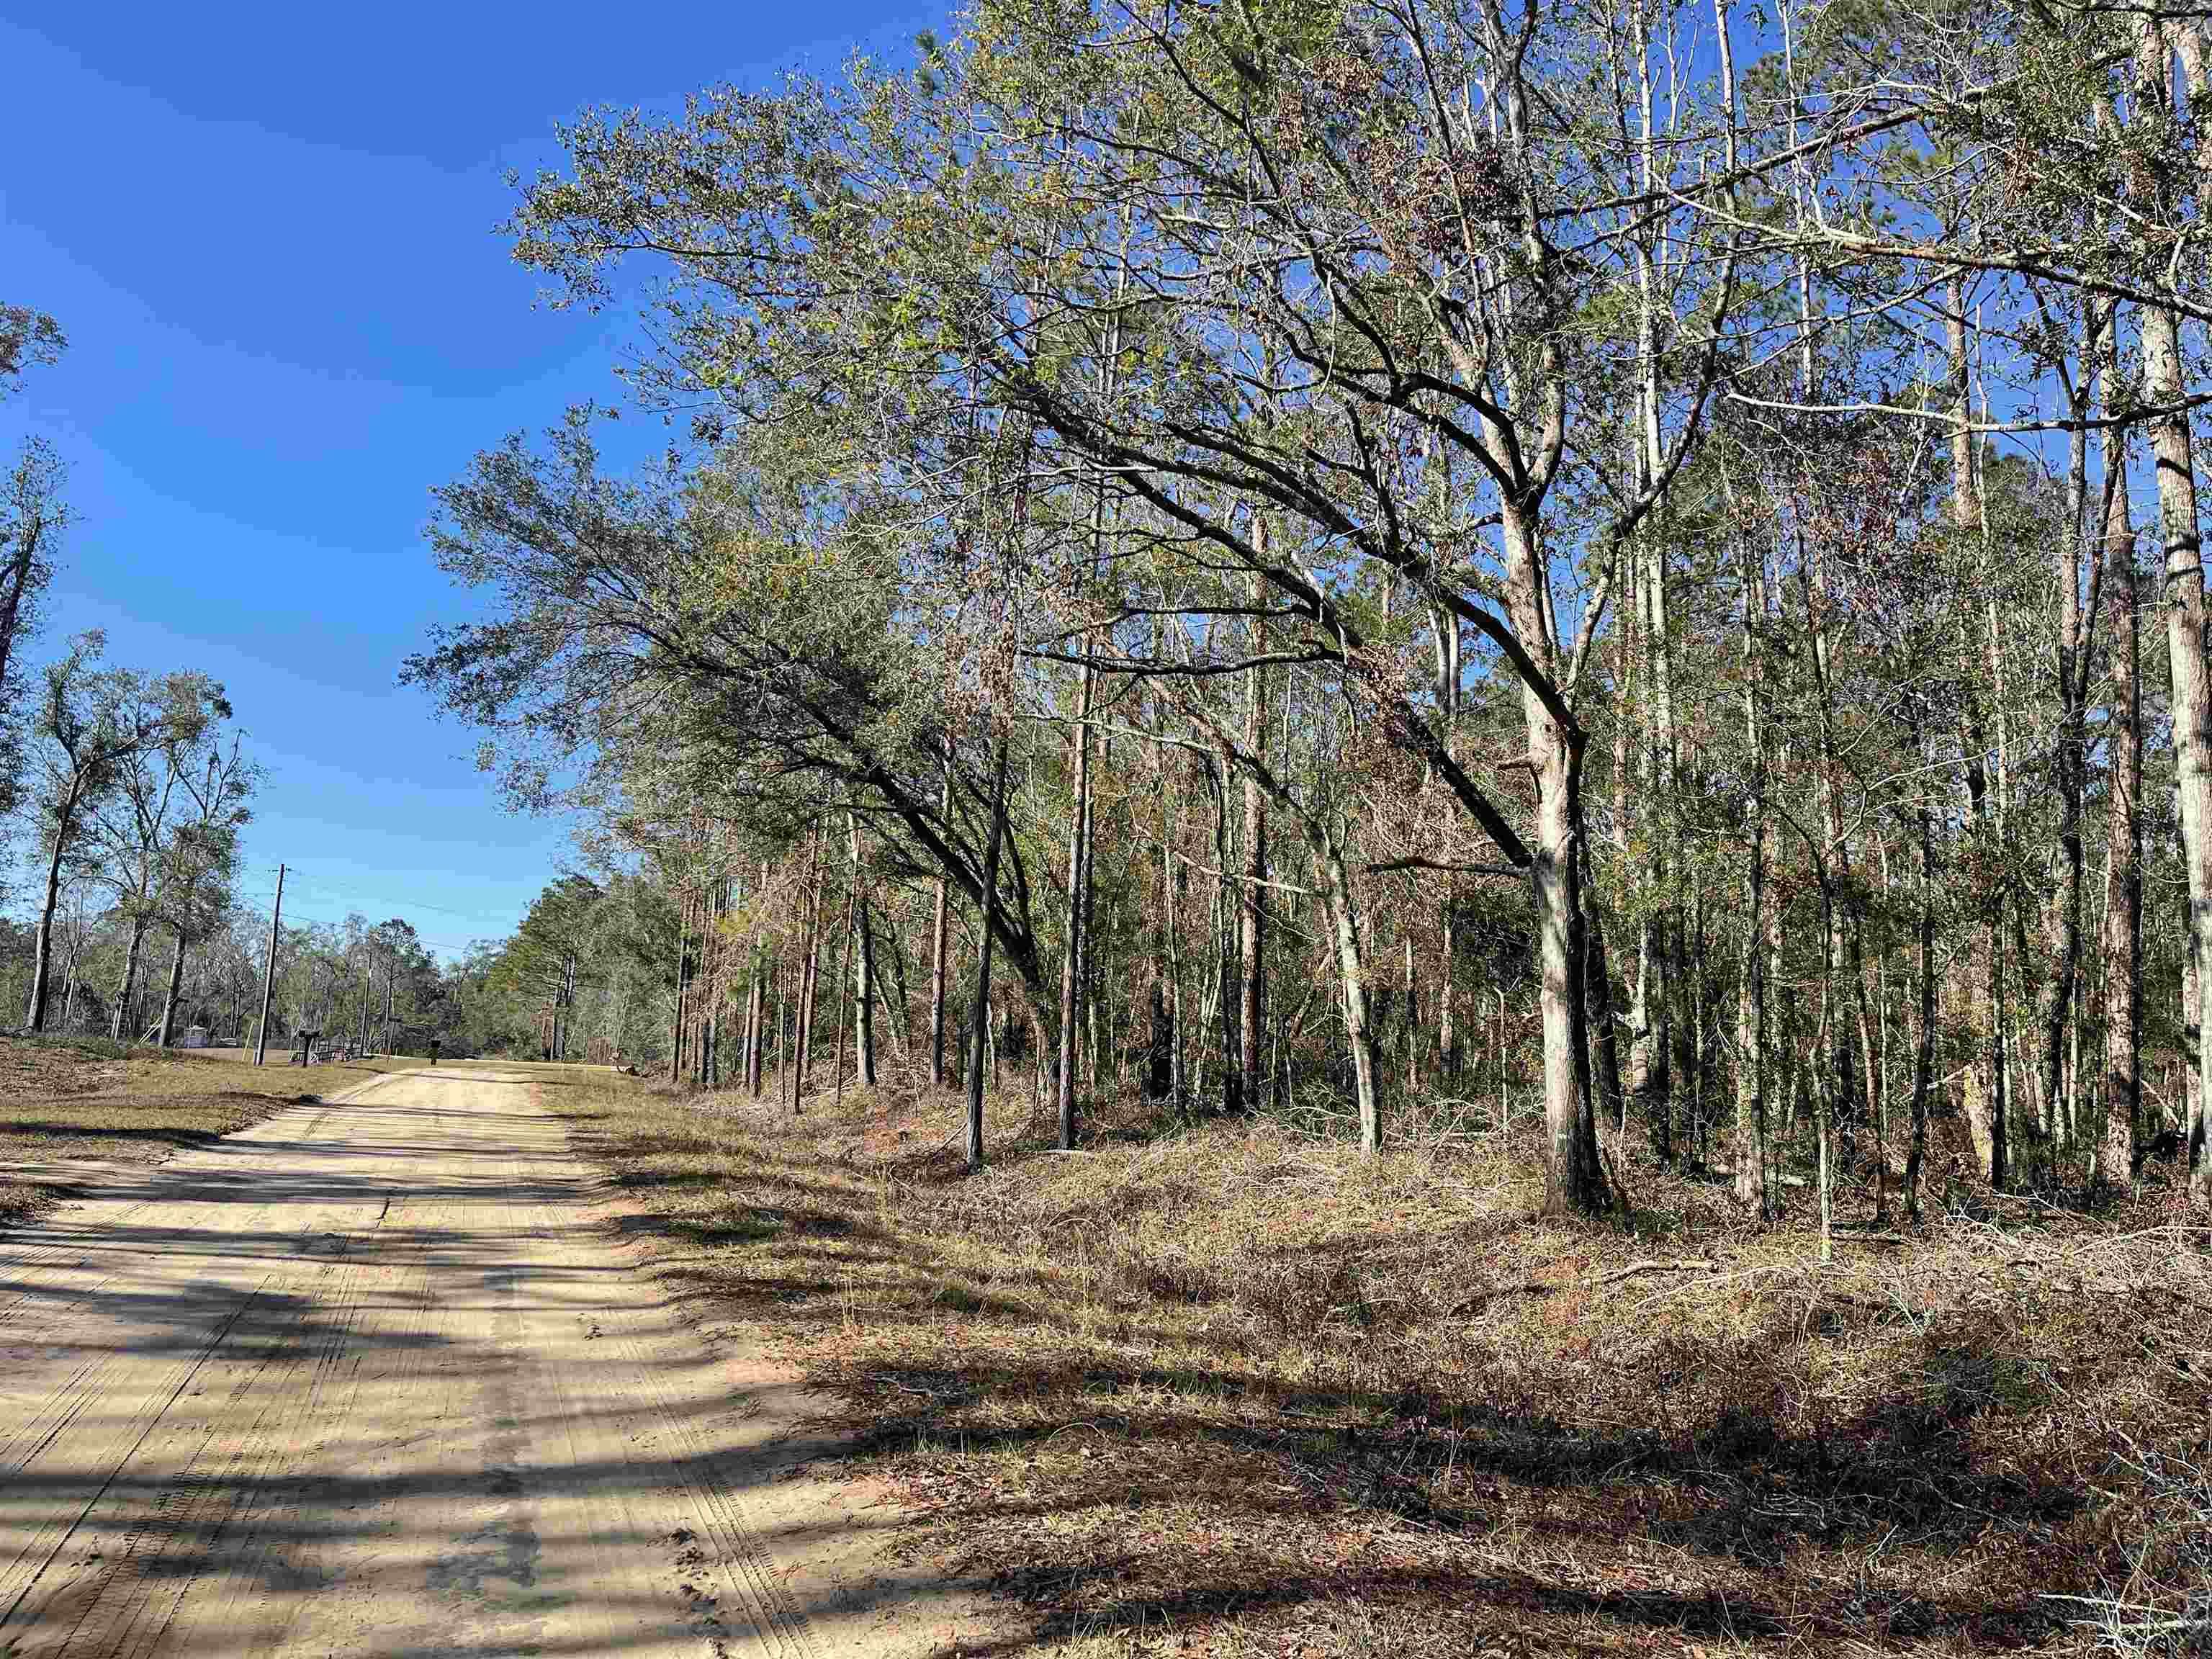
<point x="1650" y="1266"/>
<point x="1482" y="1299"/>
<point x="1538" y="1287"/>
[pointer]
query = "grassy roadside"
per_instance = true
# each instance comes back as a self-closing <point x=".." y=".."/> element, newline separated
<point x="65" y="1101"/>
<point x="1235" y="1392"/>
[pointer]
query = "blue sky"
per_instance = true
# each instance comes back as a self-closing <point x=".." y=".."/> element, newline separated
<point x="267" y="233"/>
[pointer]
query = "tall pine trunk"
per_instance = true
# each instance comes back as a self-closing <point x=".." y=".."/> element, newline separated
<point x="864" y="1021"/>
<point x="810" y="981"/>
<point x="1252" y="915"/>
<point x="2114" y="1158"/>
<point x="2192" y="688"/>
<point x="979" y="1018"/>
<point x="1749" y="1156"/>
<point x="1078" y="819"/>
<point x="937" y="941"/>
<point x="1923" y="1046"/>
<point x="676" y="1024"/>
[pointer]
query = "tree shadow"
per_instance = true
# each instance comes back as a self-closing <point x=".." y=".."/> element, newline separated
<point x="1735" y="1472"/>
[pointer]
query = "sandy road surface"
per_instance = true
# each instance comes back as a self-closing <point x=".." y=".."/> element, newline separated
<point x="369" y="1379"/>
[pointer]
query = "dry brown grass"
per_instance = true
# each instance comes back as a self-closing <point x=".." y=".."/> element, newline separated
<point x="64" y="1105"/>
<point x="1234" y="1391"/>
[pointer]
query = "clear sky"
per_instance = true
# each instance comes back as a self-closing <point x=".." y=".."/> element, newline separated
<point x="267" y="232"/>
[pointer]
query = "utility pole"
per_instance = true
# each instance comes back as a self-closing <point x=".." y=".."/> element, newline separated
<point x="269" y="979"/>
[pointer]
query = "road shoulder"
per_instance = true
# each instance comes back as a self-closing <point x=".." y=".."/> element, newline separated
<point x="843" y="1547"/>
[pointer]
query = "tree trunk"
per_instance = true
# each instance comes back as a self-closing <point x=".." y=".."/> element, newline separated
<point x="1749" y="1156"/>
<point x="130" y="981"/>
<point x="1447" y="984"/>
<point x="1923" y="1046"/>
<point x="1692" y="1067"/>
<point x="784" y="1099"/>
<point x="1409" y="1022"/>
<point x="68" y="974"/>
<point x="891" y="1001"/>
<point x="169" y="1002"/>
<point x="1985" y="1085"/>
<point x="1650" y="1062"/>
<point x="1573" y="1179"/>
<point x="676" y="1020"/>
<point x="2185" y="625"/>
<point x="2114" y="1158"/>
<point x="2185" y="578"/>
<point x="845" y="963"/>
<point x="810" y="979"/>
<point x="1078" y="814"/>
<point x="1344" y="922"/>
<point x="1628" y="654"/>
<point x="937" y="944"/>
<point x="1824" y="1076"/>
<point x="980" y="1008"/>
<point x="749" y="1032"/>
<point x="1605" y="1046"/>
<point x="42" y="958"/>
<point x="710" y="978"/>
<point x="2062" y="917"/>
<point x="2192" y="689"/>
<point x="1230" y="997"/>
<point x="21" y="566"/>
<point x="863" y="1027"/>
<point x="756" y="992"/>
<point x="1252" y="915"/>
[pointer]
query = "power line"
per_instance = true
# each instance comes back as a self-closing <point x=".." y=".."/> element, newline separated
<point x="397" y="909"/>
<point x="328" y="891"/>
<point x="298" y="914"/>
<point x="497" y="931"/>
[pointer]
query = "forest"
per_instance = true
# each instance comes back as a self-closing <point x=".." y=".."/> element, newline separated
<point x="1394" y="565"/>
<point x="1391" y="830"/>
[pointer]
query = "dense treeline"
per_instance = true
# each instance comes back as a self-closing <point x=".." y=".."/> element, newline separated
<point x="1380" y="562"/>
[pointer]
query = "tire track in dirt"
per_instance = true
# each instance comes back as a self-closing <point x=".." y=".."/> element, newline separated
<point x="224" y="1475"/>
<point x="375" y="1381"/>
<point x="745" y="1564"/>
<point x="714" y="1542"/>
<point x="48" y="1539"/>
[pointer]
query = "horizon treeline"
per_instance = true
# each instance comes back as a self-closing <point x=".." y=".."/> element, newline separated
<point x="128" y="788"/>
<point x="125" y="793"/>
<point x="1395" y="564"/>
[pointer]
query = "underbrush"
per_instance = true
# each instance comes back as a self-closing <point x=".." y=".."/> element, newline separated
<point x="2160" y="1606"/>
<point x="1234" y="1390"/>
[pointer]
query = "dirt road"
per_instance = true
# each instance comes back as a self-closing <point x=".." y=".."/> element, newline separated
<point x="372" y="1378"/>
